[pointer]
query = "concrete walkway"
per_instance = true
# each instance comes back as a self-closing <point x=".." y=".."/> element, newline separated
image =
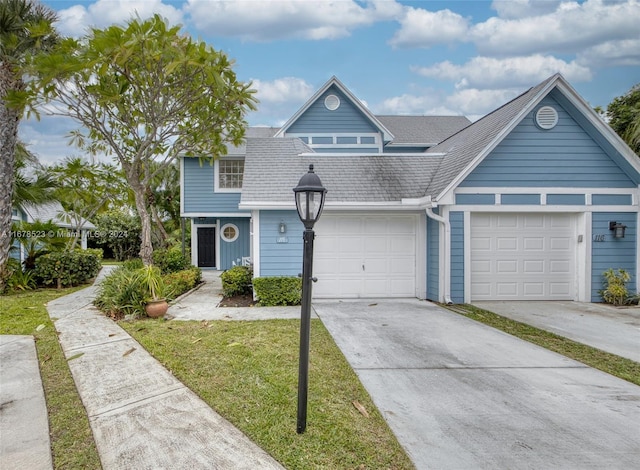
<point x="141" y="416"/>
<point x="24" y="426"/>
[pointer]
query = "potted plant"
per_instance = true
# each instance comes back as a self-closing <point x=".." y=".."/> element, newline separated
<point x="154" y="291"/>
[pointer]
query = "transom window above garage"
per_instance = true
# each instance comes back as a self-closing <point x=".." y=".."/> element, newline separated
<point x="229" y="174"/>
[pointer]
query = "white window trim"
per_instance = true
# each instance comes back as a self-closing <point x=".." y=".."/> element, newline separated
<point x="216" y="176"/>
<point x="334" y="135"/>
<point x="229" y="240"/>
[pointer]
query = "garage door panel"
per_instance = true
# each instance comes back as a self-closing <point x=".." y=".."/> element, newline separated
<point x="506" y="243"/>
<point x="365" y="256"/>
<point x="522" y="256"/>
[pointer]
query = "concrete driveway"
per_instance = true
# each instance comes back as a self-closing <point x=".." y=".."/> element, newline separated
<point x="612" y="329"/>
<point x="462" y="395"/>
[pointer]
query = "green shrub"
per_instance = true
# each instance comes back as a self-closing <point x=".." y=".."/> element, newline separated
<point x="182" y="281"/>
<point x="99" y="252"/>
<point x="133" y="263"/>
<point x="170" y="260"/>
<point x="272" y="291"/>
<point x="121" y="292"/>
<point x="66" y="268"/>
<point x="19" y="279"/>
<point x="615" y="288"/>
<point x="236" y="281"/>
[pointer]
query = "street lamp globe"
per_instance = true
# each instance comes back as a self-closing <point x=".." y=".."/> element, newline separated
<point x="309" y="195"/>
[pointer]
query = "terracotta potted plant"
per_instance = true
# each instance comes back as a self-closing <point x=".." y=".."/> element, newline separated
<point x="155" y="291"/>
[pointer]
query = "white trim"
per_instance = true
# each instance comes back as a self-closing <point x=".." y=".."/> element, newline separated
<point x="467" y="256"/>
<point x="365" y="154"/>
<point x="546" y="190"/>
<point x="232" y="239"/>
<point x="421" y="256"/>
<point x="216" y="174"/>
<point x="194" y="242"/>
<point x="498" y="138"/>
<point x="539" y="208"/>
<point x="387" y="135"/>
<point x="255" y="255"/>
<point x="211" y="215"/>
<point x="181" y="166"/>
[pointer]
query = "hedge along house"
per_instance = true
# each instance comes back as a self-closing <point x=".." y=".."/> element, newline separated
<point x="520" y="205"/>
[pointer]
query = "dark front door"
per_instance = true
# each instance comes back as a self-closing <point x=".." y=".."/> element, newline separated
<point x="206" y="247"/>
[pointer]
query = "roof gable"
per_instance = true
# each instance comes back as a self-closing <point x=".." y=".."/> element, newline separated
<point x="465" y="150"/>
<point x="349" y="104"/>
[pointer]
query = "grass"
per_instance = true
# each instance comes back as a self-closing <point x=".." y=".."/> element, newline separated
<point x="248" y="372"/>
<point x="610" y="363"/>
<point x="72" y="442"/>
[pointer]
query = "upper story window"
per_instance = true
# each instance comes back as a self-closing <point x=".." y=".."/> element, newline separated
<point x="229" y="174"/>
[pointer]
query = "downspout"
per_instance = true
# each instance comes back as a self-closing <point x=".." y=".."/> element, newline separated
<point x="447" y="253"/>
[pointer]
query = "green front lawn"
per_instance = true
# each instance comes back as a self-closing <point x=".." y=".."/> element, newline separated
<point x="72" y="442"/>
<point x="248" y="372"/>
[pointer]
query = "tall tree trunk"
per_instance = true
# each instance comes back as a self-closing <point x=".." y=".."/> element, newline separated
<point x="156" y="218"/>
<point x="9" y="119"/>
<point x="146" y="247"/>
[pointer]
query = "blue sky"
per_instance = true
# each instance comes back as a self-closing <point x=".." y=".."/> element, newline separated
<point x="398" y="57"/>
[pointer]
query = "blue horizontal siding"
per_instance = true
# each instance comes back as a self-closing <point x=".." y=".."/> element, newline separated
<point x="457" y="256"/>
<point x="317" y="118"/>
<point x="616" y="253"/>
<point x="565" y="156"/>
<point x="508" y="199"/>
<point x="566" y="199"/>
<point x="611" y="199"/>
<point x="476" y="199"/>
<point x="234" y="251"/>
<point x="199" y="195"/>
<point x="280" y="259"/>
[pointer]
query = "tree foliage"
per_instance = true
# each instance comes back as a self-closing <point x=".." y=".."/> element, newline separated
<point x="623" y="114"/>
<point x="147" y="93"/>
<point x="25" y="29"/>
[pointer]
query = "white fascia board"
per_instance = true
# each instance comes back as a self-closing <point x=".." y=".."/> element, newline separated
<point x="181" y="166"/>
<point x="343" y="206"/>
<point x="614" y="139"/>
<point x="369" y="154"/>
<point x="386" y="134"/>
<point x="215" y="214"/>
<point x="445" y="194"/>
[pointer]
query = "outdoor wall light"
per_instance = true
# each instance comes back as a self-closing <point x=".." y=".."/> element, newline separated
<point x="309" y="195"/>
<point x="618" y="229"/>
<point x="282" y="228"/>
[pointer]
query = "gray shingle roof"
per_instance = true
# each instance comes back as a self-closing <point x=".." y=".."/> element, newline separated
<point x="251" y="133"/>
<point x="423" y="129"/>
<point x="463" y="147"/>
<point x="51" y="211"/>
<point x="273" y="168"/>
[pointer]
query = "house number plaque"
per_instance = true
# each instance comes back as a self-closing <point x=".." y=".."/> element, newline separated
<point x="598" y="238"/>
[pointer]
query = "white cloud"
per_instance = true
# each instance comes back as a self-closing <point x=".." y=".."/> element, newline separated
<point x="281" y="90"/>
<point x="571" y="28"/>
<point x="423" y="28"/>
<point x="612" y="53"/>
<point x="264" y="21"/>
<point x="76" y="20"/>
<point x="521" y="8"/>
<point x="412" y="104"/>
<point x="474" y="103"/>
<point x="492" y="73"/>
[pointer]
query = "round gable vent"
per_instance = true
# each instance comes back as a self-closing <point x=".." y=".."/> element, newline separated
<point x="547" y="117"/>
<point x="332" y="102"/>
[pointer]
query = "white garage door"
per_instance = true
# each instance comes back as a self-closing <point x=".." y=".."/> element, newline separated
<point x="522" y="257"/>
<point x="365" y="256"/>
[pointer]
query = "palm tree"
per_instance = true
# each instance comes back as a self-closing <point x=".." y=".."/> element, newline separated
<point x="36" y="187"/>
<point x="25" y="28"/>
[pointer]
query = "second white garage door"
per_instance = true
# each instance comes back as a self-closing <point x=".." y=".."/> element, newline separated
<point x="360" y="256"/>
<point x="523" y="257"/>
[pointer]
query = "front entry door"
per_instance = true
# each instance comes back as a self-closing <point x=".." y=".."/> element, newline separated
<point x="206" y="247"/>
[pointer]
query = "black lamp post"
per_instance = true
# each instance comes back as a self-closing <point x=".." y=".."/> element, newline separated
<point x="309" y="196"/>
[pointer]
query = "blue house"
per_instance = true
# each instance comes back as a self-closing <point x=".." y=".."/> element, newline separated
<point x="520" y="205"/>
